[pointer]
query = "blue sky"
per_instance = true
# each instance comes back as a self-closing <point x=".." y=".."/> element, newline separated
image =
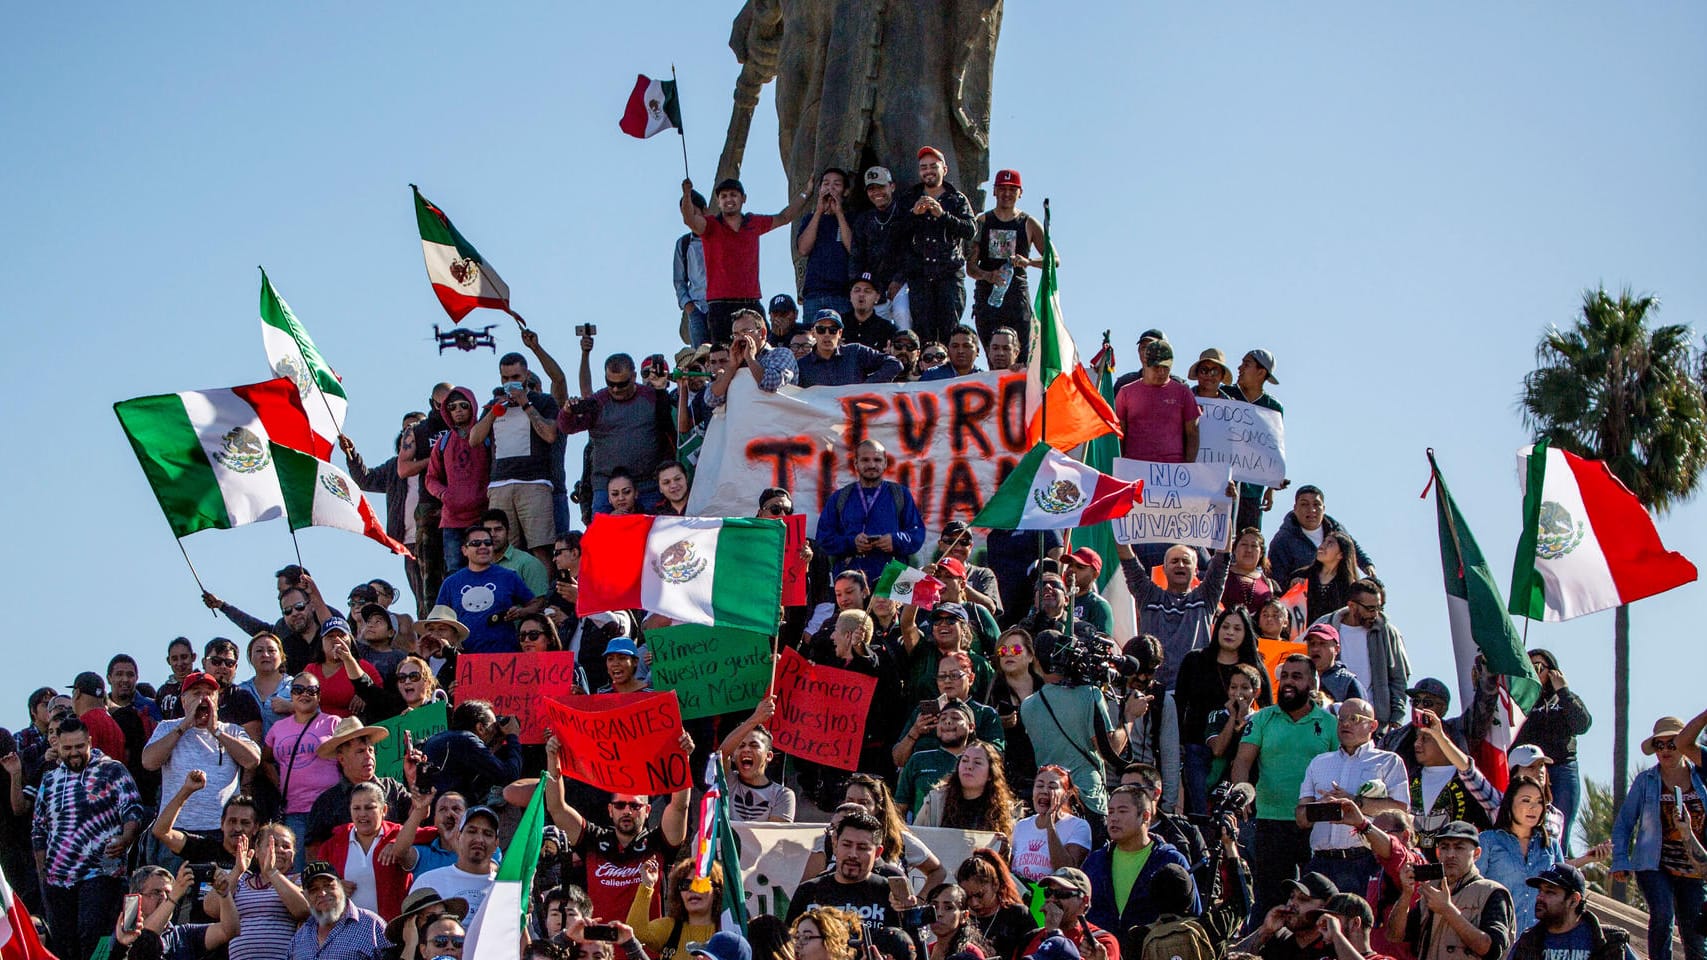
<point x="1395" y="201"/>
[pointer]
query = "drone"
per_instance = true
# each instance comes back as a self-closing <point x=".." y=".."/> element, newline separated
<point x="466" y="339"/>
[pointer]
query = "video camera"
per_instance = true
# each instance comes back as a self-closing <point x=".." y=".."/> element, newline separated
<point x="1083" y="658"/>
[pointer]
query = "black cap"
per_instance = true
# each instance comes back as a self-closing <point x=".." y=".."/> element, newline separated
<point x="1430" y="687"/>
<point x="783" y="303"/>
<point x="1459" y="830"/>
<point x="1350" y="905"/>
<point x="1564" y="876"/>
<point x="318" y="868"/>
<point x="1316" y="886"/>
<point x="1170" y="889"/>
<point x="729" y="183"/>
<point x="866" y="278"/>
<point x="91" y="683"/>
<point x="1152" y="334"/>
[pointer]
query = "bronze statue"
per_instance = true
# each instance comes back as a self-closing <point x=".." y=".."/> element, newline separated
<point x="864" y="82"/>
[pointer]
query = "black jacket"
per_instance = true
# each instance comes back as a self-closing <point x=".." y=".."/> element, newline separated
<point x="1291" y="549"/>
<point x="1609" y="942"/>
<point x="933" y="248"/>
<point x="1554" y="724"/>
<point x="874" y="246"/>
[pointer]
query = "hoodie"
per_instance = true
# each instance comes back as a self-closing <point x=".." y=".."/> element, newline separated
<point x="457" y="471"/>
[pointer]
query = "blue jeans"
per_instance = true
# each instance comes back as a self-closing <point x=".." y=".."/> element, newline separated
<point x="79" y="916"/>
<point x="1567" y="783"/>
<point x="809" y="306"/>
<point x="298" y="824"/>
<point x="699" y="328"/>
<point x="1672" y="900"/>
<point x="452" y="537"/>
<point x="1350" y="874"/>
<point x="1194" y="776"/>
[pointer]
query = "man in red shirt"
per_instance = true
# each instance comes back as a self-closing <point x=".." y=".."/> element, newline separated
<point x="731" y="241"/>
<point x="1159" y="413"/>
<point x="89" y="702"/>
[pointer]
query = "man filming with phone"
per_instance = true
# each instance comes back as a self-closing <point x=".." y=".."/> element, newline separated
<point x="1359" y="771"/>
<point x="1461" y="913"/>
<point x="628" y="424"/>
<point x="154" y="898"/>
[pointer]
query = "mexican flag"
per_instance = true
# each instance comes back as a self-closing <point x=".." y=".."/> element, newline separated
<point x="18" y="940"/>
<point x="904" y="584"/>
<point x="495" y="930"/>
<point x="728" y="849"/>
<point x="1588" y="544"/>
<point x="719" y="572"/>
<point x="1474" y="608"/>
<point x="1049" y="491"/>
<point x="1492" y="751"/>
<point x="460" y="276"/>
<point x="1100" y="454"/>
<point x="652" y="108"/>
<point x="218" y="459"/>
<point x="291" y="354"/>
<point x="1077" y="412"/>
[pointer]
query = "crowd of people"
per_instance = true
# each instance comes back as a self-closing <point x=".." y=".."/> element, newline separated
<point x="1238" y="779"/>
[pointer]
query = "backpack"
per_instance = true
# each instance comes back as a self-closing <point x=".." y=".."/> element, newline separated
<point x="1179" y="939"/>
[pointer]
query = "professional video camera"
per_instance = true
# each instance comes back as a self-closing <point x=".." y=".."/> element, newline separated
<point x="1084" y="658"/>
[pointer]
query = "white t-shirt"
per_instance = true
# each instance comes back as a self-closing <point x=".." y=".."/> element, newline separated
<point x="1315" y="536"/>
<point x="200" y="750"/>
<point x="453" y="881"/>
<point x="1354" y="650"/>
<point x="1030" y="858"/>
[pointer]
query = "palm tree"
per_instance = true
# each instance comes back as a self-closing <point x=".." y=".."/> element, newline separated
<point x="1611" y="389"/>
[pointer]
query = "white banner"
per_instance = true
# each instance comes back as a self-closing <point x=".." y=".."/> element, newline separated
<point x="1247" y="438"/>
<point x="950" y="442"/>
<point x="773" y="855"/>
<point x="1183" y="503"/>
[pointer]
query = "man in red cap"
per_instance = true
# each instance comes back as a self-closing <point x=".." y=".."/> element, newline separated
<point x="1006" y="238"/>
<point x="1084" y="566"/>
<point x="935" y="224"/>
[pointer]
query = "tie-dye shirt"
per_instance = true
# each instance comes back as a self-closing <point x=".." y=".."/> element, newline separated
<point x="78" y="814"/>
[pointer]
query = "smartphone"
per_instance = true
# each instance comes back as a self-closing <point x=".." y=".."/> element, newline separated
<point x="1323" y="812"/>
<point x="1428" y="871"/>
<point x="900" y="888"/>
<point x="586" y="330"/>
<point x="600" y="931"/>
<point x="916" y="917"/>
<point x="203" y="872"/>
<point x="132" y="917"/>
<point x="929" y="708"/>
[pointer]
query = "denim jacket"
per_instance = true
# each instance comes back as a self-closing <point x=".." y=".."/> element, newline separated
<point x="1638" y="820"/>
<point x="1503" y="860"/>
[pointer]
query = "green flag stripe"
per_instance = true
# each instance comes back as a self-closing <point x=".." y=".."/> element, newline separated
<point x="1100" y="454"/>
<point x="1005" y="507"/>
<point x="523" y="854"/>
<point x="1528" y="590"/>
<point x="174" y="463"/>
<point x="437" y="228"/>
<point x="1050" y="359"/>
<point x="672" y="105"/>
<point x="747" y="593"/>
<point x="1467" y="576"/>
<point x="276" y="313"/>
<point x="299" y="475"/>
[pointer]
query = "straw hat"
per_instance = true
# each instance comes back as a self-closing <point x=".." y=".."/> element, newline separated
<point x="1215" y="356"/>
<point x="419" y="901"/>
<point x="1663" y="727"/>
<point x="348" y="728"/>
<point x="445" y="615"/>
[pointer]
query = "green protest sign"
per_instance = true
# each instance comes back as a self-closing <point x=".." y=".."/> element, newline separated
<point x="712" y="669"/>
<point x="420" y="723"/>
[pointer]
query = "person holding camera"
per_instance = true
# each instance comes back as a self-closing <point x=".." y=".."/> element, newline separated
<point x="1460" y="913"/>
<point x="479" y="751"/>
<point x="628" y="424"/>
<point x="158" y="894"/>
<point x="519" y="426"/>
<point x="1359" y="771"/>
<point x="1071" y="727"/>
<point x="458" y="471"/>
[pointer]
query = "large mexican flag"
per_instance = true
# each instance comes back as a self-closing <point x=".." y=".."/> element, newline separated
<point x="291" y="354"/>
<point x="223" y="458"/>
<point x="461" y="278"/>
<point x="719" y="572"/>
<point x="1048" y="490"/>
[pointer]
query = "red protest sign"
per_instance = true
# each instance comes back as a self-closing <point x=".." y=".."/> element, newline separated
<point x="820" y="711"/>
<point x="516" y="684"/>
<point x="621" y="742"/>
<point x="793" y="567"/>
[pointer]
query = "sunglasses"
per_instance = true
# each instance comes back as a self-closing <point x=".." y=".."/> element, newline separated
<point x="477" y="543"/>
<point x="775" y="510"/>
<point x="222" y="661"/>
<point x="530" y="634"/>
<point x="826" y="328"/>
<point x="414" y="676"/>
<point x="903" y="345"/>
<point x="1665" y="744"/>
<point x="1054" y="894"/>
<point x="1010" y="650"/>
<point x="936" y="356"/>
<point x="293" y="608"/>
<point x="459" y="405"/>
<point x="560" y="551"/>
<point x="619" y="384"/>
<point x="448" y="940"/>
<point x="298" y="690"/>
<point x="627" y="804"/>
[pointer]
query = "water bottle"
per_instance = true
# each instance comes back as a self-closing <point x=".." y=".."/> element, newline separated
<point x="999" y="289"/>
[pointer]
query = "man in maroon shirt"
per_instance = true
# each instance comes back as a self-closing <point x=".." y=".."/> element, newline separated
<point x="89" y="701"/>
<point x="1159" y="413"/>
<point x="731" y="241"/>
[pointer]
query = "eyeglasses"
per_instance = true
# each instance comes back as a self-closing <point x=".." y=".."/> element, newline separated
<point x="304" y="690"/>
<point x="530" y="634"/>
<point x="1665" y="744"/>
<point x="825" y="328"/>
<point x="1010" y="650"/>
<point x="1055" y="894"/>
<point x="293" y="608"/>
<point x="618" y="384"/>
<point x="1371" y="607"/>
<point x="477" y="543"/>
<point x="459" y="405"/>
<point x="627" y="804"/>
<point x="956" y="675"/>
<point x="806" y="937"/>
<point x="414" y="676"/>
<point x="776" y="510"/>
<point x="222" y="661"/>
<point x="448" y="940"/>
<point x="933" y="355"/>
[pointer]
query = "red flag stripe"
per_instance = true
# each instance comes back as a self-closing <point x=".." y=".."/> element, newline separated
<point x="613" y="583"/>
<point x="1640" y="564"/>
<point x="279" y="406"/>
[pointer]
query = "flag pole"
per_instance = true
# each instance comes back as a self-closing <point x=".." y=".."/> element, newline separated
<point x="193" y="574"/>
<point x="680" y="133"/>
<point x="294" y="545"/>
<point x="1043" y="291"/>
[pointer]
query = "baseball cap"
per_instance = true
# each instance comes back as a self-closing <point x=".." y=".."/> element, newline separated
<point x="623" y="646"/>
<point x="316" y="869"/>
<point x="486" y="812"/>
<point x="1265" y="360"/>
<point x="929" y="151"/>
<point x="196" y="678"/>
<point x="335" y="624"/>
<point x="1007" y="178"/>
<point x="952" y="567"/>
<point x="1152" y="334"/>
<point x="1459" y="830"/>
<point x="89" y="682"/>
<point x="1518" y="757"/>
<point x="729" y="183"/>
<point x="1170" y="889"/>
<point x="866" y="278"/>
<point x="1086" y="557"/>
<point x="722" y="946"/>
<point x="1562" y="875"/>
<point x="1350" y="905"/>
<point x="1158" y="353"/>
<point x="948" y="611"/>
<point x="1430" y="687"/>
<point x="1054" y="948"/>
<point x="878" y="177"/>
<point x="1069" y="878"/>
<point x="1314" y="885"/>
<point x="1324" y="630"/>
<point x="783" y="303"/>
<point x="827" y="315"/>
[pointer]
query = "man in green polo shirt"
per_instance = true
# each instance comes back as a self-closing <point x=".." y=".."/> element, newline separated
<point x="1280" y="741"/>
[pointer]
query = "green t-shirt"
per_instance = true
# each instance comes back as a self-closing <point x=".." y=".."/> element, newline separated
<point x="1125" y="867"/>
<point x="1285" y="748"/>
<point x="1072" y="743"/>
<point x="1094" y="610"/>
<point x="921" y="774"/>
